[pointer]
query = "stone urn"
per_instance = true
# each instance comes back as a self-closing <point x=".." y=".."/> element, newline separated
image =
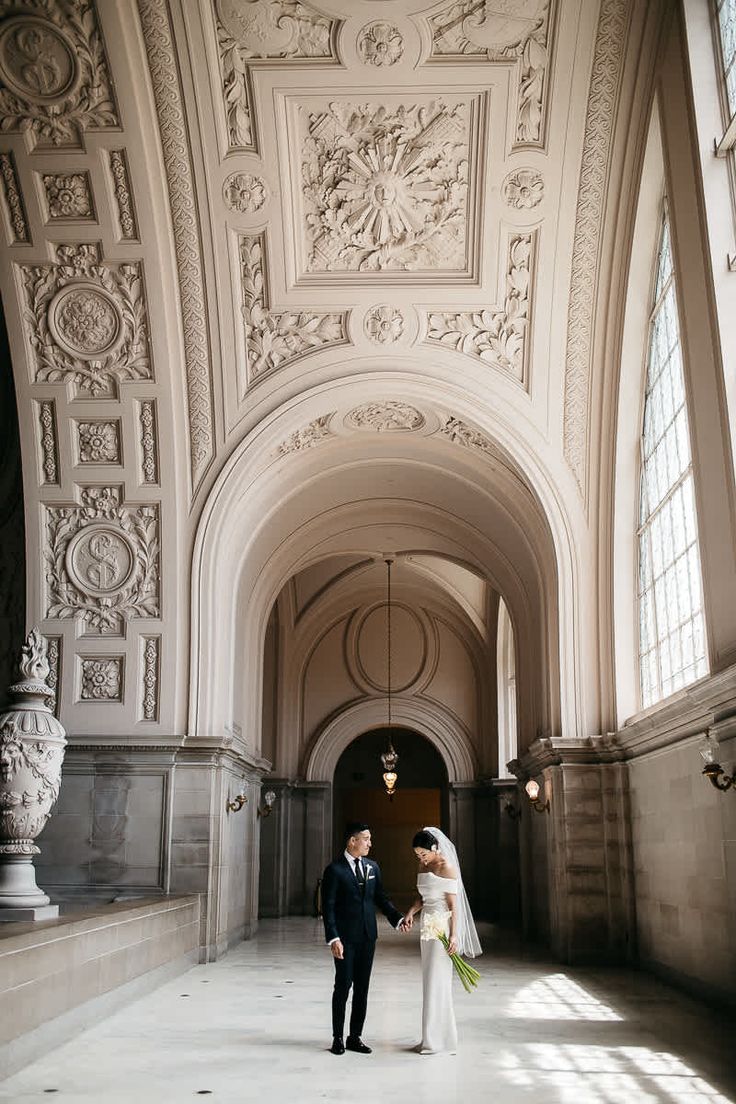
<point x="32" y="743"/>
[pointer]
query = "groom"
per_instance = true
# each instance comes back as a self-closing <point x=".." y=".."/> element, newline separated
<point x="351" y="889"/>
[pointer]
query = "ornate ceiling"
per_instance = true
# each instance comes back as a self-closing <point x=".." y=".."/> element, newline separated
<point x="215" y="210"/>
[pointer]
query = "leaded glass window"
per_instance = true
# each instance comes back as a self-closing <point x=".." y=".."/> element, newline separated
<point x="726" y="10"/>
<point x="672" y="650"/>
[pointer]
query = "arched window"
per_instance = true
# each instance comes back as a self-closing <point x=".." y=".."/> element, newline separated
<point x="672" y="650"/>
<point x="726" y="10"/>
<point x="506" y="672"/>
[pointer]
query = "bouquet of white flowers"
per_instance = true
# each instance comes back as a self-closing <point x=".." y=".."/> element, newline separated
<point x="435" y="928"/>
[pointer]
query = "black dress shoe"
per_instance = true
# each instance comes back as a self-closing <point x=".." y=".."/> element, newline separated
<point x="357" y="1045"/>
<point x="338" y="1046"/>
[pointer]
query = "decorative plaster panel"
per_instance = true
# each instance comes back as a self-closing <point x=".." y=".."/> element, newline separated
<point x="150" y="678"/>
<point x="54" y="645"/>
<point x="503" y="31"/>
<point x="14" y="199"/>
<point x="98" y="442"/>
<point x="253" y="29"/>
<point x="149" y="449"/>
<point x="523" y="188"/>
<point x="167" y="92"/>
<point x="604" y="82"/>
<point x="244" y="193"/>
<point x="68" y="196"/>
<point x="462" y="434"/>
<point x="497" y="337"/>
<point x="86" y="321"/>
<point x="308" y="435"/>
<point x="384" y="185"/>
<point x="102" y="560"/>
<point x="48" y="442"/>
<point x="389" y="416"/>
<point x="101" y="679"/>
<point x="123" y="195"/>
<point x="274" y="339"/>
<point x="380" y="44"/>
<point x="384" y="325"/>
<point x="54" y="81"/>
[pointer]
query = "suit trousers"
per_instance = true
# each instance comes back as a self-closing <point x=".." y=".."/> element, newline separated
<point x="352" y="970"/>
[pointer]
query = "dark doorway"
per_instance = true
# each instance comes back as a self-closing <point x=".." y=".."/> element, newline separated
<point x="421" y="798"/>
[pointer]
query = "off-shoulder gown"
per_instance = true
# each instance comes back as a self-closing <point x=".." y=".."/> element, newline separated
<point x="439" y="1031"/>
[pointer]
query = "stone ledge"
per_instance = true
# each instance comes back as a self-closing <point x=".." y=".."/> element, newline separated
<point x="52" y="969"/>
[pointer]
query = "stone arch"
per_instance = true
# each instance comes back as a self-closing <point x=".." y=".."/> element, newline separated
<point x="429" y="719"/>
<point x="256" y="531"/>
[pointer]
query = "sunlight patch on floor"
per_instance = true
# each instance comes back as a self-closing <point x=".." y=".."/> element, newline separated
<point x="609" y="1075"/>
<point x="556" y="997"/>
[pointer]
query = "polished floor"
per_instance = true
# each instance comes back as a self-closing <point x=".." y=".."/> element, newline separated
<point x="255" y="1027"/>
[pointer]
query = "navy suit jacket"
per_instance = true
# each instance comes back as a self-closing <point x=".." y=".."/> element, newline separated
<point x="349" y="913"/>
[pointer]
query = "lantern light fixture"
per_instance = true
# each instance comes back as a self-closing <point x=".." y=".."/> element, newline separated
<point x="389" y="758"/>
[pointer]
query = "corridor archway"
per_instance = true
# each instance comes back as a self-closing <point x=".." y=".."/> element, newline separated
<point x="421" y="798"/>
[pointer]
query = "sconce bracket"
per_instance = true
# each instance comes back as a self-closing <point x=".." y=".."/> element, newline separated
<point x="719" y="778"/>
<point x="237" y="803"/>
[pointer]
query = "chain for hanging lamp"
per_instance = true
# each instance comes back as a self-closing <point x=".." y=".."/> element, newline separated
<point x="389" y="757"/>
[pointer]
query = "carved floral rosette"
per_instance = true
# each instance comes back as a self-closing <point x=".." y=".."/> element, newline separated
<point x="32" y="743"/>
<point x="86" y="321"/>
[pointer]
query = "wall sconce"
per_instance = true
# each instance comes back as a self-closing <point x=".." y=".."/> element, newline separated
<point x="713" y="770"/>
<point x="532" y="792"/>
<point x="268" y="799"/>
<point x="237" y="803"/>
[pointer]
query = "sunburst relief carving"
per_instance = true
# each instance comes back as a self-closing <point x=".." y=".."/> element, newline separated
<point x="386" y="187"/>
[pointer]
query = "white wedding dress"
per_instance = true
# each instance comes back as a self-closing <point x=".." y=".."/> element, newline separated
<point x="439" y="1031"/>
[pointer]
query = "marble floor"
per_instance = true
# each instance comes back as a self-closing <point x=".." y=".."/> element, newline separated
<point x="255" y="1027"/>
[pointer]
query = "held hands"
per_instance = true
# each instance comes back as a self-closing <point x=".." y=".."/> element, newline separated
<point x="407" y="923"/>
<point x="337" y="949"/>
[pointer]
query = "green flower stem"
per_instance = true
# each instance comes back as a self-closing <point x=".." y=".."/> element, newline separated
<point x="467" y="974"/>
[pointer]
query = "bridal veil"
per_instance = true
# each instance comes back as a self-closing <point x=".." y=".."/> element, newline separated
<point x="467" y="937"/>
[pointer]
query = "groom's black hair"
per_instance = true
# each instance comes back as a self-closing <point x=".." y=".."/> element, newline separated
<point x="354" y="828"/>
<point x="424" y="839"/>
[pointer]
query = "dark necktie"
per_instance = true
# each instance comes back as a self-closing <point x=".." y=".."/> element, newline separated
<point x="360" y="875"/>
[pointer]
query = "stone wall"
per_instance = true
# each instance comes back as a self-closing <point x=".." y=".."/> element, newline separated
<point x="59" y="976"/>
<point x="684" y="841"/>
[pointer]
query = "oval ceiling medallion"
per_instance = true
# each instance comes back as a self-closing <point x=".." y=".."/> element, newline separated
<point x="408" y="651"/>
<point x="385" y="417"/>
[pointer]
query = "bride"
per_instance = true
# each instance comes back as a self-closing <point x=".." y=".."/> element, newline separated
<point x="444" y="906"/>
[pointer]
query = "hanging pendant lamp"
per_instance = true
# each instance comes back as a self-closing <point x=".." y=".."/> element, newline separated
<point x="389" y="757"/>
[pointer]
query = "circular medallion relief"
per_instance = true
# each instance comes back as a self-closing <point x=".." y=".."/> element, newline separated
<point x="408" y="647"/>
<point x="244" y="193"/>
<point x="380" y="44"/>
<point x="85" y="321"/>
<point x="100" y="560"/>
<point x="36" y="60"/>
